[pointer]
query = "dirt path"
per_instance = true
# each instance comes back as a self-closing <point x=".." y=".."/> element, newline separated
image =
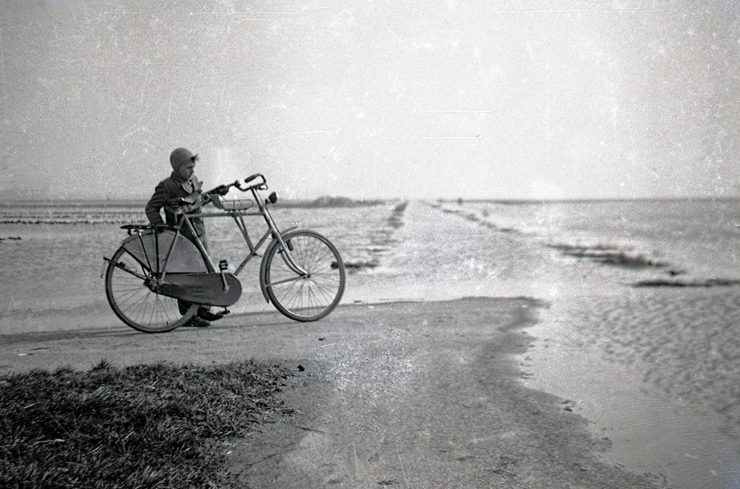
<point x="411" y="395"/>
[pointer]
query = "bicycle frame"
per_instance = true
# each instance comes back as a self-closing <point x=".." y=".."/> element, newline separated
<point x="238" y="217"/>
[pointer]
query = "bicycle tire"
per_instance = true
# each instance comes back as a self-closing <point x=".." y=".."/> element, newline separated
<point x="309" y="298"/>
<point x="135" y="303"/>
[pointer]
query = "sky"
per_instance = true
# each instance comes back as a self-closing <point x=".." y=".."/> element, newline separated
<point x="525" y="99"/>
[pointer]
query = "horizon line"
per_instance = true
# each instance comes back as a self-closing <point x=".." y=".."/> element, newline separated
<point x="389" y="199"/>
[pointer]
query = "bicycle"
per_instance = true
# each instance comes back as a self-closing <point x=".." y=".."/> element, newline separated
<point x="156" y="268"/>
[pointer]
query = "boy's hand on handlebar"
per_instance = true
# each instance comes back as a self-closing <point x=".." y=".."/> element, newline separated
<point x="220" y="190"/>
<point x="181" y="201"/>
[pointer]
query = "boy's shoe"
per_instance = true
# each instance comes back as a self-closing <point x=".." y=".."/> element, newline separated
<point x="208" y="315"/>
<point x="197" y="322"/>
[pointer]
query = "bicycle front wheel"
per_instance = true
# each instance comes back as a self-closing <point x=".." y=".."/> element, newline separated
<point x="135" y="303"/>
<point x="304" y="297"/>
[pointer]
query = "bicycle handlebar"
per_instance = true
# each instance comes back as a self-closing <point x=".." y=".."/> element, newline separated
<point x="252" y="177"/>
<point x="224" y="188"/>
<point x="261" y="185"/>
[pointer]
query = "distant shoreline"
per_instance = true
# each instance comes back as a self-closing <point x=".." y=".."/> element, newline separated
<point x="350" y="202"/>
<point x="320" y="202"/>
<point x="583" y="201"/>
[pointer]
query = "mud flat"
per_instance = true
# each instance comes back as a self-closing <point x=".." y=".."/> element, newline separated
<point x="655" y="371"/>
<point x="415" y="394"/>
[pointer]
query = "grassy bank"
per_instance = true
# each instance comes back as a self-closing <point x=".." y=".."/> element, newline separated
<point x="142" y="426"/>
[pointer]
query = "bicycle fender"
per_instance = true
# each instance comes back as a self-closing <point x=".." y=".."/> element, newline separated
<point x="263" y="266"/>
<point x="185" y="255"/>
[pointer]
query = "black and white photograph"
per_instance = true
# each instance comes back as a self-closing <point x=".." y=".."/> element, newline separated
<point x="424" y="244"/>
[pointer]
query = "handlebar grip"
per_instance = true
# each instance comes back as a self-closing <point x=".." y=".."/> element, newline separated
<point x="252" y="177"/>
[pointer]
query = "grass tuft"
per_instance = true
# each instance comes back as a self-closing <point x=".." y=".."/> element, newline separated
<point x="142" y="426"/>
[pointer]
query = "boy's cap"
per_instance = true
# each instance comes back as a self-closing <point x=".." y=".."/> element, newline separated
<point x="180" y="156"/>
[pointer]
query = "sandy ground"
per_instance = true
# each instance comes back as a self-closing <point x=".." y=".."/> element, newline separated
<point x="411" y="395"/>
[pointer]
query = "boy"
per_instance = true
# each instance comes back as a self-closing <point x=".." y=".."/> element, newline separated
<point x="181" y="183"/>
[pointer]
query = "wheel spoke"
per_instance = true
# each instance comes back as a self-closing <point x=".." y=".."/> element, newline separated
<point x="284" y="281"/>
<point x="311" y="297"/>
<point x="131" y="272"/>
<point x="135" y="303"/>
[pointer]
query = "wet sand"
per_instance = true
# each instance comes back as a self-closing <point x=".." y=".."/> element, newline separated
<point x="654" y="371"/>
<point x="416" y="394"/>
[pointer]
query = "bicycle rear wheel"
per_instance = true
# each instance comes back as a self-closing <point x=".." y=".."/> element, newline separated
<point x="135" y="303"/>
<point x="306" y="298"/>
